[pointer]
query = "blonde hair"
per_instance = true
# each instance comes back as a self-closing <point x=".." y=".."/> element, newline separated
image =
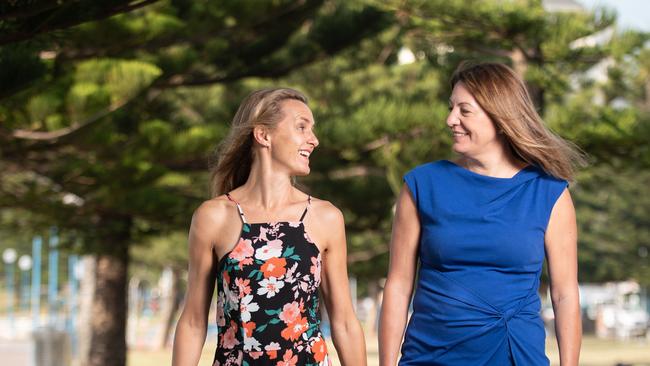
<point x="233" y="158"/>
<point x="503" y="96"/>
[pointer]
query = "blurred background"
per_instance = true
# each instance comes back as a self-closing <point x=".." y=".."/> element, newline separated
<point x="109" y="110"/>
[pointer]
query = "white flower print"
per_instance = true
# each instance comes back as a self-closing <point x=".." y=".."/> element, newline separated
<point x="304" y="283"/>
<point x="269" y="286"/>
<point x="272" y="349"/>
<point x="272" y="249"/>
<point x="262" y="236"/>
<point x="289" y="275"/>
<point x="273" y="346"/>
<point x="246" y="307"/>
<point x="250" y="343"/>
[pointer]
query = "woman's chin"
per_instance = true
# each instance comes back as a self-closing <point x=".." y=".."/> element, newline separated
<point x="459" y="149"/>
<point x="301" y="172"/>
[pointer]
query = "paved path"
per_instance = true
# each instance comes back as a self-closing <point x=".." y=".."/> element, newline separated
<point x="16" y="353"/>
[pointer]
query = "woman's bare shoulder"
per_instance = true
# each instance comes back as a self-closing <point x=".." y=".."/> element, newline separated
<point x="212" y="213"/>
<point x="327" y="215"/>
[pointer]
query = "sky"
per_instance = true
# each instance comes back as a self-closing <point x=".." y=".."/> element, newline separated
<point x="633" y="14"/>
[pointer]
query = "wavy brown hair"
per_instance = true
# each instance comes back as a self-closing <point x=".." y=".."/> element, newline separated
<point x="503" y="96"/>
<point x="232" y="160"/>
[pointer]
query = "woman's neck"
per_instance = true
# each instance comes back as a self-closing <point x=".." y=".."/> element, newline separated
<point x="266" y="187"/>
<point x="499" y="165"/>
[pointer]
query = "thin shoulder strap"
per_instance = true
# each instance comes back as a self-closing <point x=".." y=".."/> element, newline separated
<point x="241" y="212"/>
<point x="304" y="213"/>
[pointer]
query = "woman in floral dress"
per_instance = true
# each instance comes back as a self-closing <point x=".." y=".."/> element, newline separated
<point x="268" y="248"/>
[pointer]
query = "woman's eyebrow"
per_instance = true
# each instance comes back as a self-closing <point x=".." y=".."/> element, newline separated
<point x="303" y="118"/>
<point x="461" y="103"/>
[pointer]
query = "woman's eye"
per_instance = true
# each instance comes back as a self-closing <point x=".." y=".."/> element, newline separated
<point x="464" y="111"/>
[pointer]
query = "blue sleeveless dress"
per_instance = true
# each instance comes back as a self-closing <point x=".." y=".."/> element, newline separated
<point x="481" y="254"/>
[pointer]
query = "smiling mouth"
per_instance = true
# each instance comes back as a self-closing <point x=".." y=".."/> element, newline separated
<point x="304" y="153"/>
<point x="458" y="134"/>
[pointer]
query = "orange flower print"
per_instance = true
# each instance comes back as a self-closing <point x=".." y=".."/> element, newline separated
<point x="248" y="328"/>
<point x="272" y="350"/>
<point x="245" y="262"/>
<point x="319" y="350"/>
<point x="290" y="312"/>
<point x="274" y="267"/>
<point x="295" y="329"/>
<point x="255" y="355"/>
<point x="229" y="339"/>
<point x="242" y="286"/>
<point x="242" y="250"/>
<point x="289" y="359"/>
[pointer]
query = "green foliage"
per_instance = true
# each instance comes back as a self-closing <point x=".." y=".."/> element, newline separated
<point x="158" y="86"/>
<point x="127" y="108"/>
<point x="20" y="66"/>
<point x="613" y="210"/>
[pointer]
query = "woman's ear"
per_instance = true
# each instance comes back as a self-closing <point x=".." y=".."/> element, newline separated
<point x="262" y="136"/>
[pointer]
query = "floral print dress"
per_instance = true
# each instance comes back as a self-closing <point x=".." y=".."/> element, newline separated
<point x="267" y="302"/>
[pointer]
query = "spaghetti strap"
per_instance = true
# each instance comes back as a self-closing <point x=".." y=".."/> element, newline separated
<point x="304" y="213"/>
<point x="241" y="212"/>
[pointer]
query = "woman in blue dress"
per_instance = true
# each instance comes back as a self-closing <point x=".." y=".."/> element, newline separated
<point x="480" y="227"/>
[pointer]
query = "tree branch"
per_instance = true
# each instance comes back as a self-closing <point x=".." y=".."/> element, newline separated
<point x="28" y="11"/>
<point x="21" y="36"/>
<point x="49" y="139"/>
<point x="52" y="136"/>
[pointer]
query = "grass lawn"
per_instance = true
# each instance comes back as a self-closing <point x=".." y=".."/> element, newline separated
<point x="595" y="352"/>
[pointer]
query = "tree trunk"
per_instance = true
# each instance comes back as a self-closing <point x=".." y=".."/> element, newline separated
<point x="170" y="304"/>
<point x="520" y="63"/>
<point x="109" y="312"/>
<point x="108" y="340"/>
<point x="86" y="294"/>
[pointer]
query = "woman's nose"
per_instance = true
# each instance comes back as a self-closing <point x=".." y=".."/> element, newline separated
<point x="313" y="140"/>
<point x="452" y="119"/>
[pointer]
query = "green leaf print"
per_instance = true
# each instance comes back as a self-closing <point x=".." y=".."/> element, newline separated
<point x="261" y="328"/>
<point x="295" y="257"/>
<point x="253" y="273"/>
<point x="310" y="331"/>
<point x="272" y="312"/>
<point x="288" y="252"/>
